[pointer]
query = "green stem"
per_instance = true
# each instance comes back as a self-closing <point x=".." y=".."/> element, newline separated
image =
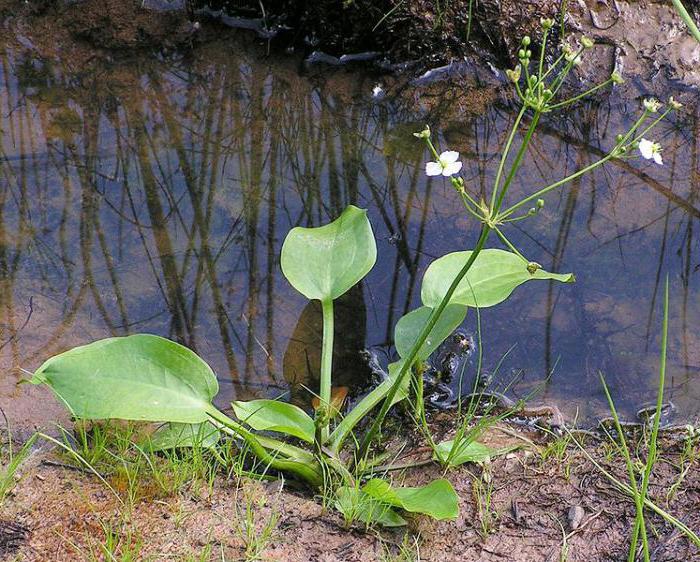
<point x="305" y="468"/>
<point x="504" y="156"/>
<point x="425" y="332"/>
<point x="326" y="366"/>
<point x="518" y="160"/>
<point x="680" y="8"/>
<point x="538" y="194"/>
<point x="580" y="96"/>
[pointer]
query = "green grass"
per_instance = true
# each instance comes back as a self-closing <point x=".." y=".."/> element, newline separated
<point x="10" y="462"/>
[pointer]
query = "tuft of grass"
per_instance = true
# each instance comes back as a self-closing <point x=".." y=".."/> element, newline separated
<point x="638" y="472"/>
<point x="255" y="529"/>
<point x="408" y="550"/>
<point x="10" y="461"/>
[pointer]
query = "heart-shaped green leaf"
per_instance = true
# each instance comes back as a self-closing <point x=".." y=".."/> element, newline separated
<point x="465" y="451"/>
<point x="139" y="377"/>
<point x="354" y="504"/>
<point x="493" y="276"/>
<point x="437" y="499"/>
<point x="181" y="435"/>
<point x="324" y="262"/>
<point x="273" y="415"/>
<point x="408" y="329"/>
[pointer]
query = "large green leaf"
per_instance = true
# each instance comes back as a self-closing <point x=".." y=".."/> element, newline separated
<point x="273" y="415"/>
<point x="181" y="435"/>
<point x="491" y="279"/>
<point x="355" y="504"/>
<point x="465" y="451"/>
<point x="409" y="327"/>
<point x="437" y="499"/>
<point x="324" y="262"/>
<point x="139" y="377"/>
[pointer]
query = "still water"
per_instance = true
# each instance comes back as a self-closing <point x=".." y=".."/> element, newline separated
<point x="154" y="194"/>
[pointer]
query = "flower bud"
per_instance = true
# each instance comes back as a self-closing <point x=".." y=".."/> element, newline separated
<point x="424" y="134"/>
<point x="526" y="40"/>
<point x="513" y="75"/>
<point x="532" y="267"/>
<point x="547" y="23"/>
<point x="619" y="138"/>
<point x="586" y="42"/>
<point x="616" y="77"/>
<point x="540" y="203"/>
<point x="533" y="81"/>
<point x="521" y="54"/>
<point x="674" y="104"/>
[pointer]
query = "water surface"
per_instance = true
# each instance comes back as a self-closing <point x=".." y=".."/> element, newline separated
<point x="154" y="194"/>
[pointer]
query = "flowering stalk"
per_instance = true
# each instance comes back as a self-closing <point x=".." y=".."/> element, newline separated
<point x="537" y="97"/>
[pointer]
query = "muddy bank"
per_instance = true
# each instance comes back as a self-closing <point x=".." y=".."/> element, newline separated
<point x="539" y="503"/>
<point x="645" y="40"/>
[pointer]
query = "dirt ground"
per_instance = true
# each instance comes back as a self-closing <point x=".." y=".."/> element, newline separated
<point x="645" y="40"/>
<point x="543" y="507"/>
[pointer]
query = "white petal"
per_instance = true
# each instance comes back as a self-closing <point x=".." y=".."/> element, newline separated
<point x="448" y="157"/>
<point x="433" y="168"/>
<point x="452" y="169"/>
<point x="658" y="159"/>
<point x="646" y="148"/>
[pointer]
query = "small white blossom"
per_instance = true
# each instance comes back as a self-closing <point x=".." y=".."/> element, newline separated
<point x="652" y="105"/>
<point x="651" y="150"/>
<point x="447" y="164"/>
<point x="377" y="91"/>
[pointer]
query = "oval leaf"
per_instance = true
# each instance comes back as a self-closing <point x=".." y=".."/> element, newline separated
<point x="408" y="329"/>
<point x="492" y="278"/>
<point x="273" y="415"/>
<point x="437" y="499"/>
<point x="139" y="377"/>
<point x="324" y="262"/>
<point x="467" y="451"/>
<point x="354" y="504"/>
<point x="182" y="435"/>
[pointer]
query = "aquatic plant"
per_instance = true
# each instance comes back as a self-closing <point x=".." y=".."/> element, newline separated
<point x="148" y="378"/>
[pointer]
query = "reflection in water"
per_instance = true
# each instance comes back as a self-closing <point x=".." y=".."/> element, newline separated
<point x="154" y="196"/>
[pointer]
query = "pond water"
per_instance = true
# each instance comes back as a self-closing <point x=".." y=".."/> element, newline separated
<point x="154" y="194"/>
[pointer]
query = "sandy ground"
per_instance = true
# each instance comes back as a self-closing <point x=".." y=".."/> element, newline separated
<point x="556" y="507"/>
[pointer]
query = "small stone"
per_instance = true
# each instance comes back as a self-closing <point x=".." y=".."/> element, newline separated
<point x="575" y="515"/>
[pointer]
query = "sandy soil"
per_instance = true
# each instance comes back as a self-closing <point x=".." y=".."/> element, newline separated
<point x="555" y="508"/>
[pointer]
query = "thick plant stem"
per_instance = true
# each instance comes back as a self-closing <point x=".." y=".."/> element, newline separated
<point x="304" y="469"/>
<point x="326" y="366"/>
<point x="425" y="332"/>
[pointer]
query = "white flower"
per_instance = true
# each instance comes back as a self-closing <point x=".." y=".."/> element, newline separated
<point x="650" y="149"/>
<point x="377" y="91"/>
<point x="652" y="105"/>
<point x="446" y="165"/>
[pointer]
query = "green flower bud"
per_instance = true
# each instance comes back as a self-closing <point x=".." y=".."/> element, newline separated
<point x="424" y="134"/>
<point x="617" y="78"/>
<point x="547" y="23"/>
<point x="513" y="75"/>
<point x="619" y="138"/>
<point x="532" y="267"/>
<point x="540" y="203"/>
<point x="586" y="42"/>
<point x="526" y="40"/>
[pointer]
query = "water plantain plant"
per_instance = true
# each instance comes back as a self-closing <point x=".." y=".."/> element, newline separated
<point x="145" y="377"/>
